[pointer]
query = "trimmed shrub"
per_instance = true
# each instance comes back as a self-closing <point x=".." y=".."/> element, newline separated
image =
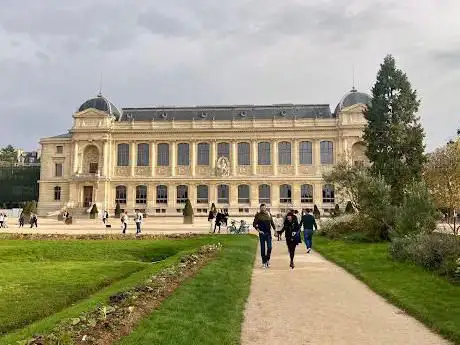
<point x="188" y="212"/>
<point x="316" y="212"/>
<point x="349" y="209"/>
<point x="352" y="227"/>
<point x="435" y="252"/>
<point x="117" y="210"/>
<point x="93" y="212"/>
<point x="337" y="211"/>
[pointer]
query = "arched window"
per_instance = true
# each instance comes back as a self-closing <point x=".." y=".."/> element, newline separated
<point x="202" y="194"/>
<point x="223" y="150"/>
<point x="223" y="194"/>
<point x="141" y="194"/>
<point x="243" y="194"/>
<point x="120" y="194"/>
<point x="57" y="193"/>
<point x="285" y="194"/>
<point x="203" y="154"/>
<point x="162" y="194"/>
<point x="244" y="154"/>
<point x="182" y="194"/>
<point x="123" y="155"/>
<point x="305" y="153"/>
<point x="264" y="155"/>
<point x="306" y="193"/>
<point x="284" y="153"/>
<point x="183" y="154"/>
<point x="143" y="155"/>
<point x="264" y="194"/>
<point x="328" y="194"/>
<point x="326" y="149"/>
<point x="163" y="155"/>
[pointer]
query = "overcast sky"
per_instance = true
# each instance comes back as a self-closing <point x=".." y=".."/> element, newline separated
<point x="184" y="52"/>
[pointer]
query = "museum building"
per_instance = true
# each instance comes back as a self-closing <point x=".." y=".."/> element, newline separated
<point x="235" y="156"/>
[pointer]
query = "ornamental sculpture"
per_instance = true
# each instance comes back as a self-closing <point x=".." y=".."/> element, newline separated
<point x="223" y="166"/>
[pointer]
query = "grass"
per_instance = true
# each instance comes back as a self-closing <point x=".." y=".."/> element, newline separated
<point x="425" y="295"/>
<point x="42" y="282"/>
<point x="207" y="309"/>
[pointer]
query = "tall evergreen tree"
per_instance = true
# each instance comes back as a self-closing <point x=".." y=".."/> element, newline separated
<point x="393" y="133"/>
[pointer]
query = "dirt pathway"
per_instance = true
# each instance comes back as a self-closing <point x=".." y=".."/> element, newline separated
<point x="319" y="303"/>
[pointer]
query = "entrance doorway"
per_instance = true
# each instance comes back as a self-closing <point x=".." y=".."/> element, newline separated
<point x="87" y="196"/>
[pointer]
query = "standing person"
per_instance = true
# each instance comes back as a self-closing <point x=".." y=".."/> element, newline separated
<point x="291" y="230"/>
<point x="105" y="216"/>
<point x="21" y="220"/>
<point x="298" y="216"/>
<point x="308" y="223"/>
<point x="263" y="222"/>
<point x="219" y="218"/>
<point x="138" y="219"/>
<point x="124" y="225"/>
<point x="211" y="219"/>
<point x="5" y="220"/>
<point x="2" y="219"/>
<point x="279" y="226"/>
<point x="33" y="220"/>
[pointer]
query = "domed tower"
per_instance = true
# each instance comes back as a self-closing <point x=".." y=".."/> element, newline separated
<point x="351" y="98"/>
<point x="102" y="104"/>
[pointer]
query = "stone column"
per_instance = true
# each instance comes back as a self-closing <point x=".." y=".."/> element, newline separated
<point x="296" y="157"/>
<point x="254" y="194"/>
<point x="133" y="158"/>
<point x="275" y="157"/>
<point x="275" y="195"/>
<point x="296" y="195"/>
<point x="212" y="194"/>
<point x="173" y="158"/>
<point x="153" y="159"/>
<point x="233" y="197"/>
<point x="75" y="158"/>
<point x="317" y="157"/>
<point x="172" y="196"/>
<point x="254" y="157"/>
<point x="193" y="162"/>
<point x="192" y="194"/>
<point x="106" y="155"/>
<point x="213" y="157"/>
<point x="131" y="198"/>
<point x="234" y="157"/>
<point x="318" y="195"/>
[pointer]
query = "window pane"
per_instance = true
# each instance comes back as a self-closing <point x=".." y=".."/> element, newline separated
<point x="284" y="153"/>
<point x="59" y="149"/>
<point x="120" y="194"/>
<point x="182" y="194"/>
<point x="203" y="154"/>
<point x="57" y="193"/>
<point x="202" y="194"/>
<point x="93" y="168"/>
<point x="328" y="194"/>
<point x="162" y="194"/>
<point x="327" y="152"/>
<point x="58" y="168"/>
<point x="143" y="155"/>
<point x="244" y="154"/>
<point x="223" y="150"/>
<point x="222" y="194"/>
<point x="123" y="155"/>
<point x="305" y="152"/>
<point x="285" y="194"/>
<point x="263" y="149"/>
<point x="306" y="193"/>
<point x="141" y="194"/>
<point x="163" y="155"/>
<point x="183" y="154"/>
<point x="264" y="194"/>
<point x="243" y="194"/>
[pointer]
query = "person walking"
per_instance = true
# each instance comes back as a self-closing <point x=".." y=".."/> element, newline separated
<point x="211" y="219"/>
<point x="263" y="223"/>
<point x="105" y="216"/>
<point x="5" y="220"/>
<point x="33" y="220"/>
<point x="309" y="225"/>
<point x="219" y="219"/>
<point x="291" y="230"/>
<point x="2" y="219"/>
<point x="124" y="224"/>
<point x="138" y="219"/>
<point x="21" y="220"/>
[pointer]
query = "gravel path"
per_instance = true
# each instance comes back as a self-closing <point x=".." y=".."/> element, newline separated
<point x="320" y="303"/>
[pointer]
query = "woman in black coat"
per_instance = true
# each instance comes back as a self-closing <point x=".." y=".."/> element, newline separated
<point x="291" y="231"/>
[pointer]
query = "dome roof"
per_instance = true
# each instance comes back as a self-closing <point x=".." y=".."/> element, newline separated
<point x="103" y="104"/>
<point x="351" y="98"/>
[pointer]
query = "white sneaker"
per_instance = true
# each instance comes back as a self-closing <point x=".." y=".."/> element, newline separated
<point x="264" y="266"/>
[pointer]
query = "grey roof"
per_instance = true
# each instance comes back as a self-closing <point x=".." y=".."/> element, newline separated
<point x="351" y="98"/>
<point x="228" y="112"/>
<point x="101" y="103"/>
<point x="61" y="136"/>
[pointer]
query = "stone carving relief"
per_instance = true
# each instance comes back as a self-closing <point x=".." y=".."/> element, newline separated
<point x="183" y="170"/>
<point x="223" y="166"/>
<point x="306" y="170"/>
<point x="142" y="171"/>
<point x="122" y="171"/>
<point x="203" y="170"/>
<point x="286" y="169"/>
<point x="244" y="170"/>
<point x="265" y="170"/>
<point x="162" y="171"/>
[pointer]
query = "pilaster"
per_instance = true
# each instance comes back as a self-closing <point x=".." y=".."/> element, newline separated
<point x="153" y="161"/>
<point x="172" y="191"/>
<point x="213" y="156"/>
<point x="75" y="158"/>
<point x="233" y="197"/>
<point x="106" y="156"/>
<point x="275" y="157"/>
<point x="254" y="157"/>
<point x="234" y="157"/>
<point x="173" y="159"/>
<point x="275" y="194"/>
<point x="254" y="194"/>
<point x="296" y="157"/>
<point x="193" y="163"/>
<point x="317" y="156"/>
<point x="133" y="157"/>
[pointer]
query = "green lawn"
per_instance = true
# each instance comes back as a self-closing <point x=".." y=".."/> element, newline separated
<point x="42" y="282"/>
<point x="425" y="295"/>
<point x="207" y="309"/>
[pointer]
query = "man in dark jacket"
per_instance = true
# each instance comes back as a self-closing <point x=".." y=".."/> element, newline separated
<point x="309" y="223"/>
<point x="263" y="223"/>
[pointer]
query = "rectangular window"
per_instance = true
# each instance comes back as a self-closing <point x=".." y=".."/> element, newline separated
<point x="183" y="154"/>
<point x="92" y="168"/>
<point x="123" y="155"/>
<point x="244" y="154"/>
<point x="203" y="154"/>
<point x="163" y="155"/>
<point x="264" y="153"/>
<point x="305" y="153"/>
<point x="223" y="150"/>
<point x="141" y="195"/>
<point x="327" y="152"/>
<point x="143" y="155"/>
<point x="57" y="193"/>
<point x="59" y="149"/>
<point x="58" y="170"/>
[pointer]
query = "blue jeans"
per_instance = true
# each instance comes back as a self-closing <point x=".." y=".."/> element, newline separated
<point x="308" y="237"/>
<point x="138" y="227"/>
<point x="265" y="238"/>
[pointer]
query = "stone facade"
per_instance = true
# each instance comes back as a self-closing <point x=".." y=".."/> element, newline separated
<point x="104" y="160"/>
